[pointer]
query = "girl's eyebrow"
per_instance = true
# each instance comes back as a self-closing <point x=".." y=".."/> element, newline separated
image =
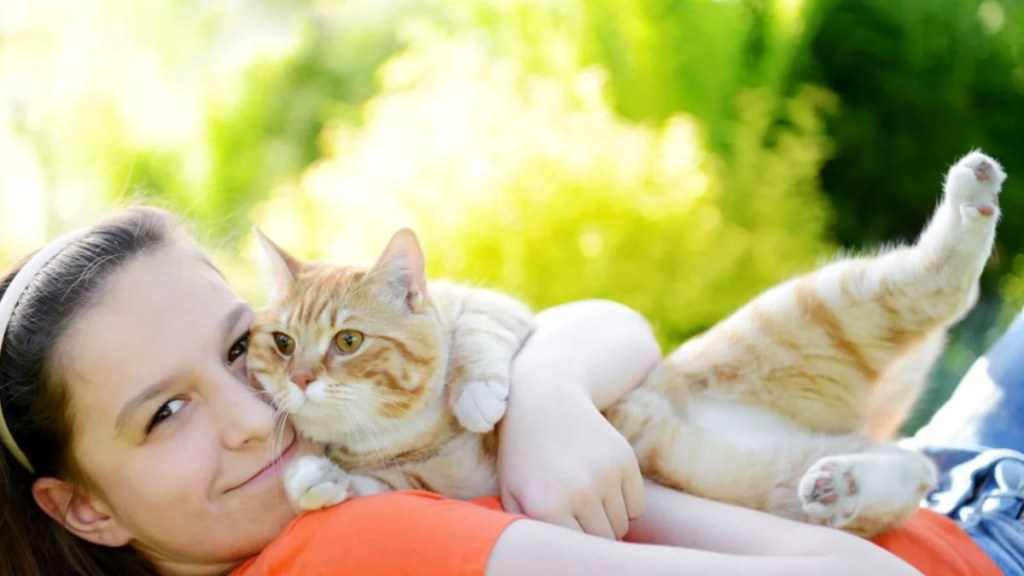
<point x="140" y="399"/>
<point x="232" y="318"/>
<point x="227" y="327"/>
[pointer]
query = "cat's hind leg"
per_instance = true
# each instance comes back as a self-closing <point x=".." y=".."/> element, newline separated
<point x="935" y="281"/>
<point x="814" y="348"/>
<point x="866" y="493"/>
<point x="876" y="309"/>
<point x="899" y="387"/>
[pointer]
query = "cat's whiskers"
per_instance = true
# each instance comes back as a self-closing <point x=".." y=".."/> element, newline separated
<point x="276" y="443"/>
<point x="280" y="399"/>
<point x="350" y="396"/>
<point x="373" y="434"/>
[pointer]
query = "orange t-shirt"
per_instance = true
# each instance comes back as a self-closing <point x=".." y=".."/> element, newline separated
<point x="405" y="533"/>
<point x="412" y="533"/>
<point x="935" y="545"/>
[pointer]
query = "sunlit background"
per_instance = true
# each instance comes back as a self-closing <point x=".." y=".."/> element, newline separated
<point x="676" y="155"/>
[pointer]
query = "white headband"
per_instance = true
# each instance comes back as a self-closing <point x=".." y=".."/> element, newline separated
<point x="9" y="300"/>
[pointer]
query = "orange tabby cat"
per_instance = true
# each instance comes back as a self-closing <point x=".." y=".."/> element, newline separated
<point x="400" y="385"/>
<point x="783" y="406"/>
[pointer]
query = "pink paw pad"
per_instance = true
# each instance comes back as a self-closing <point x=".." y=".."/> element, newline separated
<point x="825" y="488"/>
<point x="983" y="171"/>
<point x="829" y="492"/>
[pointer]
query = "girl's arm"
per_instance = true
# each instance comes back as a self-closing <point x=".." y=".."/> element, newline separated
<point x="703" y="537"/>
<point x="559" y="460"/>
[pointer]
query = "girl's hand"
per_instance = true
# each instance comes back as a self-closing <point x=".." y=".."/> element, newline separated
<point x="559" y="460"/>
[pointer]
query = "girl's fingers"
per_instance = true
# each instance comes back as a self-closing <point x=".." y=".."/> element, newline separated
<point x="633" y="493"/>
<point x="618" y="518"/>
<point x="593" y="521"/>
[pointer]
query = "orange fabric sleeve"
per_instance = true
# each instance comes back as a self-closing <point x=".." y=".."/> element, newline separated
<point x="934" y="544"/>
<point x="419" y="533"/>
<point x="395" y="534"/>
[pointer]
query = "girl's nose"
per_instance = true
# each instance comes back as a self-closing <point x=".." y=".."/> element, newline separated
<point x="246" y="418"/>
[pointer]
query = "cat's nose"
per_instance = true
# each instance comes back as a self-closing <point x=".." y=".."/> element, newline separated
<point x="302" y="380"/>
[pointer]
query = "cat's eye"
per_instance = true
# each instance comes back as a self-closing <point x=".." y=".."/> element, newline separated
<point x="348" y="341"/>
<point x="285" y="343"/>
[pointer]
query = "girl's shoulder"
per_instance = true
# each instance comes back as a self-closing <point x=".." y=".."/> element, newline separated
<point x="398" y="533"/>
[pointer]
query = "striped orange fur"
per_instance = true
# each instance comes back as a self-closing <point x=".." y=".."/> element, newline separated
<point x="415" y="405"/>
<point x="787" y="406"/>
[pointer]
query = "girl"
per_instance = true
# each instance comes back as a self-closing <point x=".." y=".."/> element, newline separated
<point x="133" y="444"/>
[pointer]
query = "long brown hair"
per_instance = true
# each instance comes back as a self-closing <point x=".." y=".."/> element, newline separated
<point x="33" y="396"/>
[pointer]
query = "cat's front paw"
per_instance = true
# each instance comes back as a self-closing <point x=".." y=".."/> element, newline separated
<point x="315" y="482"/>
<point x="481" y="404"/>
<point x="830" y="493"/>
<point x="973" y="185"/>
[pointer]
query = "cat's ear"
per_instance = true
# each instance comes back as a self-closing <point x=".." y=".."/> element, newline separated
<point x="283" y="266"/>
<point x="400" y="271"/>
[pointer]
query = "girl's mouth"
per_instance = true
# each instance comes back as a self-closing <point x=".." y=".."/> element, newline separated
<point x="274" y="467"/>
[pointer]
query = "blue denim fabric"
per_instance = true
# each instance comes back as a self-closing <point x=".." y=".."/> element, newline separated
<point x="983" y="490"/>
<point x="987" y="408"/>
<point x="977" y="441"/>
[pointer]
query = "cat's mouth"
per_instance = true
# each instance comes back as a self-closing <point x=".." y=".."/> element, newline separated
<point x="273" y="468"/>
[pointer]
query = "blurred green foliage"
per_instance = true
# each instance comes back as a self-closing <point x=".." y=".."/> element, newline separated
<point x="536" y="186"/>
<point x="920" y="82"/>
<point x="676" y="155"/>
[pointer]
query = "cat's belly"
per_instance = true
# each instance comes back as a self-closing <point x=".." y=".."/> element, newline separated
<point x="461" y="469"/>
<point x="760" y="437"/>
<point x="742" y="454"/>
<point x="748" y="428"/>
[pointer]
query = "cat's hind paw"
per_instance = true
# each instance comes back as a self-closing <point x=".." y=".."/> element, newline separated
<point x="829" y="493"/>
<point x="481" y="404"/>
<point x="315" y="482"/>
<point x="973" y="185"/>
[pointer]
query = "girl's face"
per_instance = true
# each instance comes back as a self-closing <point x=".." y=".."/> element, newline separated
<point x="179" y="451"/>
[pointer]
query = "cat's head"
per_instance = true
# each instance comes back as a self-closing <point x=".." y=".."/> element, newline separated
<point x="342" y="349"/>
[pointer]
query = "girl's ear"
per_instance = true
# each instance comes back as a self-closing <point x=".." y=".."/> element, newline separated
<point x="400" y="272"/>
<point x="81" y="514"/>
<point x="284" y="267"/>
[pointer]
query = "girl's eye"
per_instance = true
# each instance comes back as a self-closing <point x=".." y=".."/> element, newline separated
<point x="285" y="343"/>
<point x="348" y="341"/>
<point x="240" y="347"/>
<point x="169" y="409"/>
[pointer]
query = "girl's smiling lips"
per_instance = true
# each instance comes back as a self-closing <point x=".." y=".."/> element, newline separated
<point x="273" y="467"/>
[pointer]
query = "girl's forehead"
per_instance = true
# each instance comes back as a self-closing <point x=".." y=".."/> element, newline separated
<point x="171" y="277"/>
<point x="161" y="314"/>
